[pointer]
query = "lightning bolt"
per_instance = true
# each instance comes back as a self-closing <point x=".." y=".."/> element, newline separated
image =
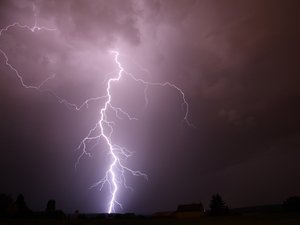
<point x="34" y="28"/>
<point x="115" y="175"/>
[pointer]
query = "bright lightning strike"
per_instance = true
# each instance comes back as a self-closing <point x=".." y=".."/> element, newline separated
<point x="114" y="176"/>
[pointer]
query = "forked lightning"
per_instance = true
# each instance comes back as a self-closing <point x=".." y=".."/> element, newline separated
<point x="115" y="175"/>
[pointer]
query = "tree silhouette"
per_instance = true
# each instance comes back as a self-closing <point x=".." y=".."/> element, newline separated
<point x="50" y="206"/>
<point x="21" y="206"/>
<point x="217" y="206"/>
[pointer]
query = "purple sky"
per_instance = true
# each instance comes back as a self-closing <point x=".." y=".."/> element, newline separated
<point x="237" y="62"/>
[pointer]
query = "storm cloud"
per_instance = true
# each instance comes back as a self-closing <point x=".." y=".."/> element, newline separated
<point x="236" y="61"/>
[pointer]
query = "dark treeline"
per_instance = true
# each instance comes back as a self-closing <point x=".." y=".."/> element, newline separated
<point x="219" y="208"/>
<point x="10" y="208"/>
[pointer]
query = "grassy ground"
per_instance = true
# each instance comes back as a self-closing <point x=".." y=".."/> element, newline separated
<point x="258" y="219"/>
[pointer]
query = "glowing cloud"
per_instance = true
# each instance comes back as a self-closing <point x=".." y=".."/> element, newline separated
<point x="115" y="175"/>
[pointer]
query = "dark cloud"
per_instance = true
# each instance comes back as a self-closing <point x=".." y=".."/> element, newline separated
<point x="237" y="61"/>
<point x="101" y="23"/>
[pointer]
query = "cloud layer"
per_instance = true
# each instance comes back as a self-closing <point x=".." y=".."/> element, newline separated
<point x="238" y="63"/>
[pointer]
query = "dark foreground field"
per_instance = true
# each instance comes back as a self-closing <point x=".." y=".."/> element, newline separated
<point x="255" y="219"/>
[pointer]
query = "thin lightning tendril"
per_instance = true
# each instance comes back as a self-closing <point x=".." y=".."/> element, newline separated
<point x="103" y="129"/>
<point x="34" y="28"/>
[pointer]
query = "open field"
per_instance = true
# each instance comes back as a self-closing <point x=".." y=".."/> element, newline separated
<point x="258" y="219"/>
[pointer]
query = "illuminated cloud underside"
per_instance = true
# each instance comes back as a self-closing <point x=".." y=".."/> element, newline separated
<point x="115" y="175"/>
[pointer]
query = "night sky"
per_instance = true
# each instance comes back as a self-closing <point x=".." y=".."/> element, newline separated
<point x="238" y="62"/>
